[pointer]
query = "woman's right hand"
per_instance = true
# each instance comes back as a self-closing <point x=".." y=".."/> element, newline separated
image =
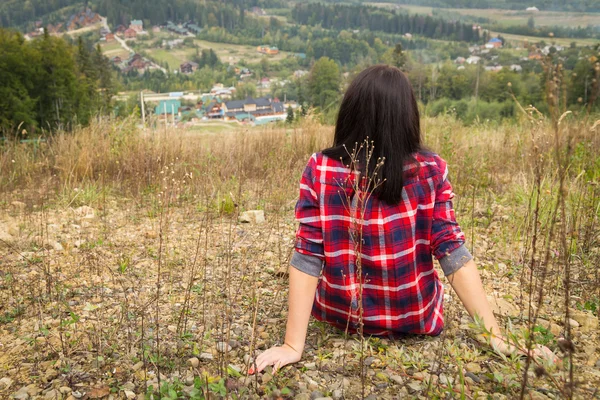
<point x="278" y="356"/>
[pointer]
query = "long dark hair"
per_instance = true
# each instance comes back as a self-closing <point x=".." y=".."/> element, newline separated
<point x="379" y="105"/>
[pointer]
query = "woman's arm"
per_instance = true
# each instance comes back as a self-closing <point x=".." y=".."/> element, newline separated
<point x="467" y="285"/>
<point x="300" y="301"/>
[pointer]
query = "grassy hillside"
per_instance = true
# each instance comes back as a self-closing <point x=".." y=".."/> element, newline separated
<point x="124" y="267"/>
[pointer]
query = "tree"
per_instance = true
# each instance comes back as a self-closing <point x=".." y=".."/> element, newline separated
<point x="324" y="82"/>
<point x="290" y="115"/>
<point x="531" y="23"/>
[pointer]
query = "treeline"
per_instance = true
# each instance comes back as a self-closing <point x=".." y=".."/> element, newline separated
<point x="227" y="14"/>
<point x="546" y="5"/>
<point x="333" y="16"/>
<point x="49" y="83"/>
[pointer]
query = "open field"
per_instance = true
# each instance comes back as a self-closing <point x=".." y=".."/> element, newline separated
<point x="124" y="267"/>
<point x="114" y="49"/>
<point x="510" y="17"/>
<point x="520" y="40"/>
<point x="228" y="53"/>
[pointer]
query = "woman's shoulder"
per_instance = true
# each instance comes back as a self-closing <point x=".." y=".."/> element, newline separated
<point x="427" y="164"/>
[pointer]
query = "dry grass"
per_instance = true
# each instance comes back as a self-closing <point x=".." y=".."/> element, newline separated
<point x="162" y="272"/>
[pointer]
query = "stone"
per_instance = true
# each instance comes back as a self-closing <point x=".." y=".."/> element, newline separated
<point x="253" y="217"/>
<point x="57" y="246"/>
<point x="85" y="212"/>
<point x="473" y="367"/>
<point x="302" y="396"/>
<point x="129" y="394"/>
<point x="368" y="361"/>
<point x="206" y="356"/>
<point x="573" y="323"/>
<point x="337" y="394"/>
<point x="52" y="395"/>
<point x="266" y="378"/>
<point x="223" y="347"/>
<point x="21" y="395"/>
<point x="397" y="379"/>
<point x="194" y="362"/>
<point x="138" y="366"/>
<point x="310" y="366"/>
<point x="414" y="387"/>
<point x="316" y="395"/>
<point x="473" y="377"/>
<point x="6" y="383"/>
<point x="5" y="238"/>
<point x="151" y="235"/>
<point x="65" y="390"/>
<point x="587" y="321"/>
<point x="19" y="205"/>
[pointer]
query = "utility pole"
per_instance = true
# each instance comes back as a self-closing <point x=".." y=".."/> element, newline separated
<point x="142" y="106"/>
<point x="477" y="87"/>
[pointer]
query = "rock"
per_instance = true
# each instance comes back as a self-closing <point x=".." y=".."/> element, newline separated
<point x="138" y="366"/>
<point x="223" y="347"/>
<point x="323" y="398"/>
<point x="371" y="397"/>
<point x="302" y="396"/>
<point x="5" y="383"/>
<point x="502" y="307"/>
<point x="413" y="387"/>
<point x="310" y="366"/>
<point x="194" y="362"/>
<point x="473" y="367"/>
<point x="19" y="205"/>
<point x="573" y="323"/>
<point x="266" y="378"/>
<point x="21" y="394"/>
<point x="587" y="321"/>
<point x="151" y="235"/>
<point x="337" y="394"/>
<point x="206" y="356"/>
<point x="85" y="212"/>
<point x="253" y="216"/>
<point x="52" y="395"/>
<point x="129" y="394"/>
<point x="316" y="395"/>
<point x="445" y="380"/>
<point x="5" y="238"/>
<point x="57" y="246"/>
<point x="598" y="364"/>
<point x="368" y="361"/>
<point x="533" y="395"/>
<point x="472" y="376"/>
<point x="65" y="390"/>
<point x="397" y="379"/>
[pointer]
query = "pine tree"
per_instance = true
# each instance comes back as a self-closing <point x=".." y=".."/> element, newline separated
<point x="290" y="115"/>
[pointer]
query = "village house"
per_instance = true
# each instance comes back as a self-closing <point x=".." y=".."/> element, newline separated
<point x="156" y="29"/>
<point x="82" y="19"/>
<point x="130" y="33"/>
<point x="172" y="43"/>
<point x="168" y="107"/>
<point x="535" y="56"/>
<point x="188" y="67"/>
<point x="110" y="37"/>
<point x="473" y="60"/>
<point x="494" y="43"/>
<point x="516" y="68"/>
<point x="214" y="109"/>
<point x="532" y="9"/>
<point x="493" y="68"/>
<point x="137" y="25"/>
<point x="270" y="51"/>
<point x="460" y="60"/>
<point x="300" y="73"/>
<point x="259" y="107"/>
<point x="258" y="11"/>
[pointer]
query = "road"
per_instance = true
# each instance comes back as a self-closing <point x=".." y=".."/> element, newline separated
<point x="126" y="47"/>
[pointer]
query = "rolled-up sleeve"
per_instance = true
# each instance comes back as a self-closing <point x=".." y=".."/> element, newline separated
<point x="309" y="254"/>
<point x="447" y="239"/>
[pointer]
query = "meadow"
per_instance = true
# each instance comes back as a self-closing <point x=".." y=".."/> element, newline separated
<point x="511" y="17"/>
<point x="125" y="271"/>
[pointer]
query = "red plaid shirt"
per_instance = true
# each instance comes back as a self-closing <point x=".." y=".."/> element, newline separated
<point x="402" y="292"/>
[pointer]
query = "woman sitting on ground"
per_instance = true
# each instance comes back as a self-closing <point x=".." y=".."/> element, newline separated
<point x="408" y="218"/>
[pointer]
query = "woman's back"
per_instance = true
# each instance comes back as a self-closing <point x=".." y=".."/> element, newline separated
<point x="401" y="289"/>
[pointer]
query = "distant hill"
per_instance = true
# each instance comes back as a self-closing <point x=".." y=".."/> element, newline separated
<point x="24" y="15"/>
<point x="545" y="5"/>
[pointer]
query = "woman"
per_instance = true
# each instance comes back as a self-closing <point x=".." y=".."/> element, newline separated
<point x="408" y="218"/>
